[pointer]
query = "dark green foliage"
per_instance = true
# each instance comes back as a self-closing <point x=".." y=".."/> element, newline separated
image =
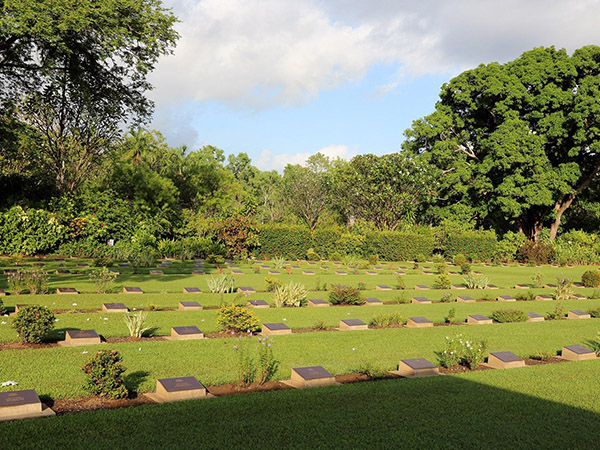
<point x="387" y="320"/>
<point x="535" y="252"/>
<point x="473" y="245"/>
<point x="442" y="282"/>
<point x="340" y="295"/>
<point x="595" y="313"/>
<point x="465" y="268"/>
<point x="281" y="240"/>
<point x="591" y="279"/>
<point x="398" y="246"/>
<point x="311" y="255"/>
<point x="33" y="323"/>
<point x="509" y="315"/>
<point x="239" y="235"/>
<point x="2" y="309"/>
<point x="103" y="375"/>
<point x="459" y="259"/>
<point x="324" y="241"/>
<point x="29" y="231"/>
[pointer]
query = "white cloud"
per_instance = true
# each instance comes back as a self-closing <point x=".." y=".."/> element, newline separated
<point x="263" y="53"/>
<point x="269" y="161"/>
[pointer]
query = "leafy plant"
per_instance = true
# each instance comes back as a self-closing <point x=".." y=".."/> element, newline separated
<point x="291" y="294"/>
<point x="594" y="344"/>
<point x="220" y="285"/>
<point x="33" y="322"/>
<point x="557" y="313"/>
<point x="446" y="297"/>
<point x="564" y="288"/>
<point x="400" y="283"/>
<point x="373" y="259"/>
<point x="16" y="282"/>
<point x="387" y="320"/>
<point x="342" y="295"/>
<point x="537" y="279"/>
<point x="462" y="351"/>
<point x="465" y="268"/>
<point x="442" y="282"/>
<point x="451" y="316"/>
<point x="311" y="255"/>
<point x="104" y="375"/>
<point x="595" y="313"/>
<point x="528" y="295"/>
<point x="591" y="278"/>
<point x="319" y="325"/>
<point x="536" y="252"/>
<point x="459" y="259"/>
<point x="272" y="283"/>
<point x="102" y="278"/>
<point x="136" y="324"/>
<point x="237" y="318"/>
<point x="361" y="286"/>
<point x="267" y="364"/>
<point x="251" y="368"/>
<point x="476" y="281"/>
<point x="369" y="369"/>
<point x="2" y="309"/>
<point x="542" y="355"/>
<point x="509" y="315"/>
<point x="278" y="262"/>
<point x="441" y="268"/>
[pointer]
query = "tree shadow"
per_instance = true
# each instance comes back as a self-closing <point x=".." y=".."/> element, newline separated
<point x="134" y="380"/>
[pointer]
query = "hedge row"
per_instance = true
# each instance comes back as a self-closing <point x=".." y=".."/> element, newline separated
<point x="475" y="245"/>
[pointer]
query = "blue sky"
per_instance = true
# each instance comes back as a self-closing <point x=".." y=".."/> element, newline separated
<point x="283" y="79"/>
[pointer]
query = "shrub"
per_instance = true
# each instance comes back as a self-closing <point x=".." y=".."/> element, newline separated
<point x="509" y="315"/>
<point x="594" y="344"/>
<point x="438" y="259"/>
<point x="537" y="279"/>
<point x="261" y="367"/>
<point x="462" y="351"/>
<point x="465" y="268"/>
<point x="420" y="258"/>
<point x="2" y="309"/>
<point x="442" y="282"/>
<point x="373" y="259"/>
<point x="237" y="318"/>
<point x="459" y="259"/>
<point x="507" y="247"/>
<point x="16" y="282"/>
<point x="291" y="294"/>
<point x="542" y="355"/>
<point x="136" y="324"/>
<point x="33" y="323"/>
<point x="284" y="240"/>
<point x="215" y="259"/>
<point x="272" y="284"/>
<point x="351" y="244"/>
<point x="30" y="231"/>
<point x="441" y="268"/>
<point x="400" y="283"/>
<point x="387" y="320"/>
<point x="324" y="241"/>
<point x="595" y="313"/>
<point x="529" y="295"/>
<point x="591" y="279"/>
<point x="451" y="316"/>
<point x="311" y="255"/>
<point x="398" y="246"/>
<point x="475" y="245"/>
<point x="476" y="281"/>
<point x="342" y="295"/>
<point x="564" y="288"/>
<point x="336" y="256"/>
<point x="370" y="370"/>
<point x="361" y="286"/>
<point x="102" y="278"/>
<point x="278" y="262"/>
<point x="446" y="298"/>
<point x="319" y="325"/>
<point x="239" y="235"/>
<point x="103" y="262"/>
<point x="537" y="252"/>
<point x="595" y="294"/>
<point x="220" y="285"/>
<point x="557" y="313"/>
<point x="104" y="375"/>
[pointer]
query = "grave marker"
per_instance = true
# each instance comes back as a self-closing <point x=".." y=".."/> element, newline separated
<point x="82" y="265"/>
<point x="63" y="272"/>
<point x="341" y="272"/>
<point x="275" y="329"/>
<point x="123" y="264"/>
<point x="543" y="297"/>
<point x="491" y="286"/>
<point x="465" y="299"/>
<point x="66" y="291"/>
<point x="317" y="303"/>
<point x="416" y="367"/>
<point x="421" y="287"/>
<point x="22" y="405"/>
<point x="156" y="272"/>
<point x="186" y="333"/>
<point x="114" y="308"/>
<point x="534" y="317"/>
<point x="383" y="287"/>
<point x="370" y="272"/>
<point x="478" y="319"/>
<point x="505" y="360"/>
<point x="246" y="290"/>
<point x="372" y="301"/>
<point x="132" y="290"/>
<point x="237" y="272"/>
<point x="189" y="306"/>
<point x="75" y="338"/>
<point x="578" y="297"/>
<point x="418" y="322"/>
<point x="506" y="298"/>
<point x="578" y="314"/>
<point x="458" y="286"/>
<point x="257" y="304"/>
<point x="305" y="377"/>
<point x="577" y="353"/>
<point x="352" y="324"/>
<point x="177" y="389"/>
<point x="521" y="286"/>
<point x="399" y="272"/>
<point x="2" y="293"/>
<point x="308" y="272"/>
<point x="274" y="272"/>
<point x="197" y="272"/>
<point x="420" y="300"/>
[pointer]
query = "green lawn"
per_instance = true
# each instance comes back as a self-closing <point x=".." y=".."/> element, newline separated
<point x="553" y="406"/>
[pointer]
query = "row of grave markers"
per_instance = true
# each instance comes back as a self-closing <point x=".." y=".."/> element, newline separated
<point x="26" y="403"/>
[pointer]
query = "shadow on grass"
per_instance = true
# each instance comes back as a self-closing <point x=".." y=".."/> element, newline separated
<point x="134" y="380"/>
<point x="441" y="412"/>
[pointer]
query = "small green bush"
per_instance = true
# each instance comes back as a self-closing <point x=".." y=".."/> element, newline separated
<point x="373" y="259"/>
<point x="591" y="278"/>
<point x="136" y="324"/>
<point x="215" y="259"/>
<point x="311" y="255"/>
<point x="542" y="355"/>
<point x="465" y="268"/>
<point x="387" y="320"/>
<point x="441" y="268"/>
<point x="342" y="295"/>
<point x="272" y="283"/>
<point x="594" y="344"/>
<point x="460" y="350"/>
<point x="459" y="259"/>
<point x="400" y="283"/>
<point x="102" y="278"/>
<point x="509" y="315"/>
<point x="2" y="309"/>
<point x="451" y="316"/>
<point x="535" y="252"/>
<point x="442" y="282"/>
<point x="33" y="323"/>
<point x="103" y="262"/>
<point x="103" y="375"/>
<point x="525" y="296"/>
<point x="420" y="258"/>
<point x="336" y="256"/>
<point x="237" y="318"/>
<point x="595" y="313"/>
<point x="291" y="294"/>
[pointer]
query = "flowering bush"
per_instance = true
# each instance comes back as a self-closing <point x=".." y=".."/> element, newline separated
<point x="103" y="375"/>
<point x="462" y="351"/>
<point x="261" y="367"/>
<point x="591" y="279"/>
<point x="102" y="278"/>
<point x="33" y="323"/>
<point x="558" y="313"/>
<point x="35" y="281"/>
<point x="564" y="288"/>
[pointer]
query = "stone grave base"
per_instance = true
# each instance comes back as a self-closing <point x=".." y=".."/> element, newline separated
<point x="162" y="395"/>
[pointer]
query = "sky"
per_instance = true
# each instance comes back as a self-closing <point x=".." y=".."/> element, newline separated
<point x="281" y="80"/>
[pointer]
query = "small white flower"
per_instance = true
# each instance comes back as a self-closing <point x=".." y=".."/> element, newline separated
<point x="353" y="349"/>
<point x="10" y="383"/>
<point x="74" y="304"/>
<point x="88" y="319"/>
<point x="3" y="323"/>
<point x="140" y="349"/>
<point x="84" y="352"/>
<point x="284" y="320"/>
<point x="56" y="320"/>
<point x="135" y="309"/>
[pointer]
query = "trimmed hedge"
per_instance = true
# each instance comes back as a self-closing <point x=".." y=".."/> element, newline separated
<point x="397" y="246"/>
<point x="325" y="241"/>
<point x="284" y="240"/>
<point x="476" y="245"/>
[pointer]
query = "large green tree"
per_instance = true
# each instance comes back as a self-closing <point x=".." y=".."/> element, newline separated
<point x="517" y="142"/>
<point x="77" y="69"/>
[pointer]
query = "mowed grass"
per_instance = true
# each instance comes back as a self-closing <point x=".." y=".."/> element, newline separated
<point x="55" y="372"/>
<point x="552" y="406"/>
<point x="112" y="325"/>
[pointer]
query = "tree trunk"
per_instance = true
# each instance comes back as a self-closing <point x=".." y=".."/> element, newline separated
<point x="559" y="208"/>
